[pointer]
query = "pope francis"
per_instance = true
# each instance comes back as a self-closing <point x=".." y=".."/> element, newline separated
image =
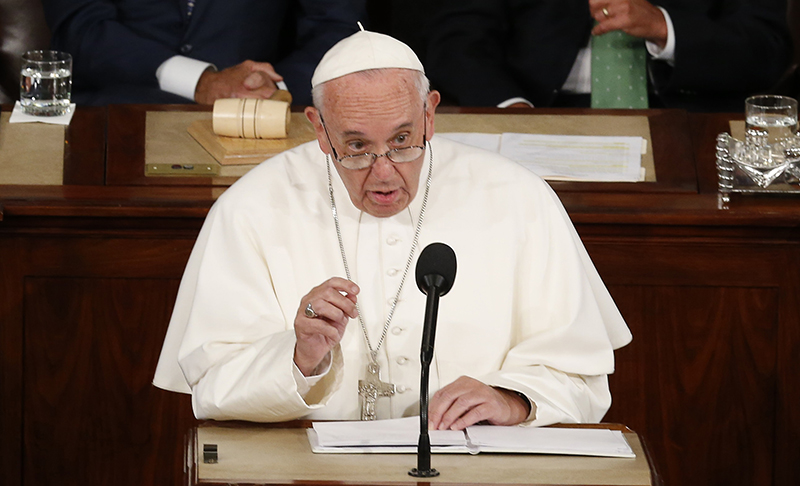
<point x="296" y="301"/>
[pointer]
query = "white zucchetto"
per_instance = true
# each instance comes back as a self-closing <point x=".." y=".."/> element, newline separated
<point x="363" y="51"/>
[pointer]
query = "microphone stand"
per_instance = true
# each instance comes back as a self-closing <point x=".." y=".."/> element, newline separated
<point x="423" y="470"/>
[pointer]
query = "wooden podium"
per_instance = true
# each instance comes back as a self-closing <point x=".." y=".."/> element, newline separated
<point x="280" y="455"/>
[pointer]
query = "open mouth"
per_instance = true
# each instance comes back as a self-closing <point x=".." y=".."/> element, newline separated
<point x="384" y="197"/>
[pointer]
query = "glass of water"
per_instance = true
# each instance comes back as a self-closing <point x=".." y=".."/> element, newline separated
<point x="772" y="116"/>
<point x="45" y="84"/>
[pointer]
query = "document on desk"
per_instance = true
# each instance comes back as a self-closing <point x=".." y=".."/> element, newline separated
<point x="566" y="157"/>
<point x="401" y="436"/>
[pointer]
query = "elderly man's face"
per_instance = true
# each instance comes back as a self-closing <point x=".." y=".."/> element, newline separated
<point x="376" y="113"/>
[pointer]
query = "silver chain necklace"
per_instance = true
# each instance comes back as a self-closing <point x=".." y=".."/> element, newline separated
<point x="371" y="388"/>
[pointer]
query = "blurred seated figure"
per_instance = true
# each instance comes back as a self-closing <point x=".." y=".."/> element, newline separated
<point x="137" y="51"/>
<point x="704" y="55"/>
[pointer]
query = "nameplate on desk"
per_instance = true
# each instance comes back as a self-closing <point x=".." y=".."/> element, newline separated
<point x="161" y="169"/>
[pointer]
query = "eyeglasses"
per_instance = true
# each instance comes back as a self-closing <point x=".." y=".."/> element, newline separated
<point x="398" y="156"/>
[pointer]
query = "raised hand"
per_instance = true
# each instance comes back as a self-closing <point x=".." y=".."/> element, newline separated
<point x="333" y="304"/>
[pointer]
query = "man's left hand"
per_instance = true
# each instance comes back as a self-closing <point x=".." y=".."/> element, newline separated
<point x="467" y="401"/>
<point x="638" y="18"/>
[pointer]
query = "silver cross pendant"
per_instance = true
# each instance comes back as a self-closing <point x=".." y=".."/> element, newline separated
<point x="371" y="388"/>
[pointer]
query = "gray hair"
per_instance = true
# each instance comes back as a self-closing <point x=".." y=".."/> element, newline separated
<point x="421" y="83"/>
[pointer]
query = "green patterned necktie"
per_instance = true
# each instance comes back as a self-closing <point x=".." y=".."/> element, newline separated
<point x="618" y="71"/>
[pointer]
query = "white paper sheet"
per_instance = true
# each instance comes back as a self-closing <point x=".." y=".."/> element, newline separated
<point x="401" y="436"/>
<point x="566" y="157"/>
<point x="575" y="157"/>
<point x="313" y="440"/>
<point x="394" y="432"/>
<point x="581" y="442"/>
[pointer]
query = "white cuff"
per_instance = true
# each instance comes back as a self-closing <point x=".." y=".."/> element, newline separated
<point x="511" y="101"/>
<point x="305" y="383"/>
<point x="668" y="52"/>
<point x="179" y="75"/>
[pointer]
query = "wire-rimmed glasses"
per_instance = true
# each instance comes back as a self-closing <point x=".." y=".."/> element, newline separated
<point x="398" y="156"/>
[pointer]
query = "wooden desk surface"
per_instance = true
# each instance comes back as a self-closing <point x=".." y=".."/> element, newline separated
<point x="671" y="146"/>
<point x="255" y="455"/>
<point x="104" y="177"/>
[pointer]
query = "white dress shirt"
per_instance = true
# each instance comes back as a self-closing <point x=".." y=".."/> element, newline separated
<point x="179" y="75"/>
<point x="579" y="80"/>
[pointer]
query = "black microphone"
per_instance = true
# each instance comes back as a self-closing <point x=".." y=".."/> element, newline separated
<point x="436" y="272"/>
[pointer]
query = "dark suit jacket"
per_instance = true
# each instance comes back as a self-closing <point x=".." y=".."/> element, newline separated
<point x="484" y="52"/>
<point x="117" y="45"/>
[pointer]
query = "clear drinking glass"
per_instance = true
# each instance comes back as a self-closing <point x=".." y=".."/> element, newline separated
<point x="45" y="84"/>
<point x="771" y="115"/>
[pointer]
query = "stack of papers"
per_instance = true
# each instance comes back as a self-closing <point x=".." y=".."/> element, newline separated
<point x="401" y="436"/>
<point x="566" y="157"/>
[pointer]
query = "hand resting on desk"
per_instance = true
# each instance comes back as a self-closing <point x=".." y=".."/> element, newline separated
<point x="468" y="401"/>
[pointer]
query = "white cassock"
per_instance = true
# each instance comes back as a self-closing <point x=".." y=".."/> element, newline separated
<point x="528" y="311"/>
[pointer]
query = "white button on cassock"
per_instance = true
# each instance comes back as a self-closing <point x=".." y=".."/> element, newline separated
<point x="397" y="330"/>
<point x="392" y="272"/>
<point x="392" y="240"/>
<point x="402" y="360"/>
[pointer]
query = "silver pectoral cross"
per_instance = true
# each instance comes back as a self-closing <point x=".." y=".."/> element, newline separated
<point x="371" y="388"/>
